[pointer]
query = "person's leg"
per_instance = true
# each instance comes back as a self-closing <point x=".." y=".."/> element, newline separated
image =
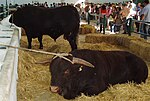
<point x="128" y="25"/>
<point x="124" y="25"/>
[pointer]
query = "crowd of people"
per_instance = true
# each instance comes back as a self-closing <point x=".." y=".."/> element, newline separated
<point x="45" y="4"/>
<point x="118" y="14"/>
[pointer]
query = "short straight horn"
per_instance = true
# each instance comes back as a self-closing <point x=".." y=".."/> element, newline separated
<point x="81" y="61"/>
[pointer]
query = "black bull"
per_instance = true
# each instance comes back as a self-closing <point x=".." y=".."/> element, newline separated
<point x="110" y="67"/>
<point x="55" y="22"/>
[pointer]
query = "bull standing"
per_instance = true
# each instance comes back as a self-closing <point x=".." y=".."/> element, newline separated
<point x="108" y="68"/>
<point x="55" y="22"/>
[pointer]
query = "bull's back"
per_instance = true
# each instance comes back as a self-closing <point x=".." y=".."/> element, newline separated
<point x="124" y="66"/>
<point x="70" y="10"/>
<point x="116" y="66"/>
<point x="31" y="16"/>
<point x="139" y="69"/>
<point x="66" y="15"/>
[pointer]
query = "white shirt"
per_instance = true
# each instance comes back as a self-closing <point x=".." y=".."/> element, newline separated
<point x="132" y="11"/>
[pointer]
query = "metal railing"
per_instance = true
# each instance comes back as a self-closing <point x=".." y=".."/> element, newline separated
<point x="3" y="12"/>
<point x="142" y="24"/>
<point x="6" y="10"/>
<point x="102" y="23"/>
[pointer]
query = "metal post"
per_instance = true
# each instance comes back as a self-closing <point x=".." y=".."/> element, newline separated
<point x="6" y="9"/>
<point x="3" y="10"/>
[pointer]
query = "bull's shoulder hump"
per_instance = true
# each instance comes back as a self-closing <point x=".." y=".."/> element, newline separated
<point x="31" y="8"/>
<point x="65" y="8"/>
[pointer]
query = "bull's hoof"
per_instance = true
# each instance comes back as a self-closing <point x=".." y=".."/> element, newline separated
<point x="29" y="47"/>
<point x="40" y="47"/>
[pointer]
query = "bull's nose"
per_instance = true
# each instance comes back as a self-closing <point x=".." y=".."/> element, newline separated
<point x="54" y="89"/>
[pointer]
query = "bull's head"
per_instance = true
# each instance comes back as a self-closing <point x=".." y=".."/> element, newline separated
<point x="16" y="18"/>
<point x="71" y="79"/>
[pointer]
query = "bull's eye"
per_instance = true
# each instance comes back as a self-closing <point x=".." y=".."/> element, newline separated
<point x="67" y="72"/>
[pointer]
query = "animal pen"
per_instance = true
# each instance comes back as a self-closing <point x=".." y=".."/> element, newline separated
<point x="33" y="80"/>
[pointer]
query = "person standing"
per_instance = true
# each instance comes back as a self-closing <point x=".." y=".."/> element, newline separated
<point x="137" y="16"/>
<point x="102" y="13"/>
<point x="131" y="15"/>
<point x="145" y="16"/>
<point x="124" y="13"/>
<point x="87" y="9"/>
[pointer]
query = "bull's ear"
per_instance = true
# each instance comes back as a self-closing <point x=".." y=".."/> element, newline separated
<point x="81" y="61"/>
<point x="45" y="61"/>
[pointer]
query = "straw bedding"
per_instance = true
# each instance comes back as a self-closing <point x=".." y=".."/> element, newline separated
<point x="85" y="29"/>
<point x="34" y="79"/>
<point x="136" y="45"/>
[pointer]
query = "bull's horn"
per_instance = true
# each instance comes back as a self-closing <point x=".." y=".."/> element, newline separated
<point x="81" y="61"/>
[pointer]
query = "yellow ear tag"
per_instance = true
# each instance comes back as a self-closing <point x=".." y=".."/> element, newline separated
<point x="80" y="69"/>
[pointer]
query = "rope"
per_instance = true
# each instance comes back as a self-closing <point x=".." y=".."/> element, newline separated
<point x="61" y="55"/>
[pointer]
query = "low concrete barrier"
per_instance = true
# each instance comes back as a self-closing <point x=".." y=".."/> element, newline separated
<point x="8" y="63"/>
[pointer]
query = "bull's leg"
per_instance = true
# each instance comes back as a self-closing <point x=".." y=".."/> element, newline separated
<point x="72" y="37"/>
<point x="40" y="41"/>
<point x="72" y="42"/>
<point x="29" y="42"/>
<point x="95" y="88"/>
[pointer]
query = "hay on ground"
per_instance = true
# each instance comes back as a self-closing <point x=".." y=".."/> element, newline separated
<point x="86" y="29"/>
<point x="34" y="79"/>
<point x="137" y="45"/>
